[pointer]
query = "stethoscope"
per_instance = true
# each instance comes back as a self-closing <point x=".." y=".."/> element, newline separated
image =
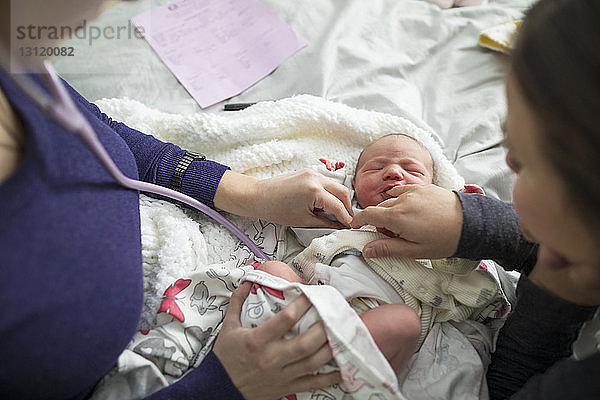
<point x="61" y="108"/>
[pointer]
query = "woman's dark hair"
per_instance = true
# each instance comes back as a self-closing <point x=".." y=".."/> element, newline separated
<point x="556" y="64"/>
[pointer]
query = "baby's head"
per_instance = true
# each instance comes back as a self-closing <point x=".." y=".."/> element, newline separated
<point x="387" y="162"/>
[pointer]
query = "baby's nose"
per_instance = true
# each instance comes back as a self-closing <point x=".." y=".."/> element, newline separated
<point x="393" y="172"/>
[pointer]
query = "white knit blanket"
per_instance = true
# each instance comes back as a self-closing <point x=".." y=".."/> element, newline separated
<point x="264" y="140"/>
<point x="274" y="137"/>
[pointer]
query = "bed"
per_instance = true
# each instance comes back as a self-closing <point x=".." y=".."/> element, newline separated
<point x="407" y="58"/>
<point x="405" y="61"/>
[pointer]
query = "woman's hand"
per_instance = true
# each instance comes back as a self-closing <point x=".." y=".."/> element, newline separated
<point x="286" y="199"/>
<point x="423" y="222"/>
<point x="261" y="363"/>
<point x="576" y="282"/>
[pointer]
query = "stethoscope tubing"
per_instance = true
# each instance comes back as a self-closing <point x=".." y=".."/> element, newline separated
<point x="63" y="110"/>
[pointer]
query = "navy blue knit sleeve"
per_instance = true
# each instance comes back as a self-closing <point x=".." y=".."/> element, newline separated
<point x="491" y="230"/>
<point x="208" y="381"/>
<point x="156" y="160"/>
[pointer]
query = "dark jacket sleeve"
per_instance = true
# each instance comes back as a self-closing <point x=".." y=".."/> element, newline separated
<point x="208" y="381"/>
<point x="491" y="231"/>
<point x="530" y="360"/>
<point x="156" y="160"/>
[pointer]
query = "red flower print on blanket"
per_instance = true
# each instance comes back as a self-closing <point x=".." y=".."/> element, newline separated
<point x="169" y="304"/>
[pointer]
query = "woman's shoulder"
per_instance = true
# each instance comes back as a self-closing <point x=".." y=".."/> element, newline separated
<point x="70" y="253"/>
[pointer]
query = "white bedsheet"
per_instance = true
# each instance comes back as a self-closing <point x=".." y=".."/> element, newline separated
<point x="403" y="57"/>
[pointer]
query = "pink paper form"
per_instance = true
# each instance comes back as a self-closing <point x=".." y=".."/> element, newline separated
<point x="218" y="48"/>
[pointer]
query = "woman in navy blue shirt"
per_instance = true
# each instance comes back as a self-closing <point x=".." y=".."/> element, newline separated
<point x="70" y="249"/>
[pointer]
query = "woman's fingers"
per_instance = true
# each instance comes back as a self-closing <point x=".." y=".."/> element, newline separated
<point x="284" y="320"/>
<point x="374" y="215"/>
<point x="261" y="362"/>
<point x="332" y="198"/>
<point x="313" y="352"/>
<point x="302" y="354"/>
<point x="336" y="201"/>
<point x="313" y="382"/>
<point x="392" y="247"/>
<point x="314" y="221"/>
<point x="399" y="190"/>
<point x="232" y="317"/>
<point x="380" y="215"/>
<point x="289" y="199"/>
<point x="309" y="350"/>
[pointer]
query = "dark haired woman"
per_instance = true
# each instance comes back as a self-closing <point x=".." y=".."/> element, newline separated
<point x="553" y="140"/>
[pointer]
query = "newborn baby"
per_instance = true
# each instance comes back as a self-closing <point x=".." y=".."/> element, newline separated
<point x="382" y="294"/>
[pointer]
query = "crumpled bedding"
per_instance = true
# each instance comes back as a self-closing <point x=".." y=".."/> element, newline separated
<point x="407" y="58"/>
<point x="191" y="264"/>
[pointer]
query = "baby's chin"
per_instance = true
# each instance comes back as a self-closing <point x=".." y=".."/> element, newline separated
<point x="525" y="232"/>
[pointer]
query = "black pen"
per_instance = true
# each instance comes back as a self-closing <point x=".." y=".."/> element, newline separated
<point x="236" y="106"/>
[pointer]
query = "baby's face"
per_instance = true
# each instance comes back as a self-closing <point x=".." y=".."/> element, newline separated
<point x="388" y="162"/>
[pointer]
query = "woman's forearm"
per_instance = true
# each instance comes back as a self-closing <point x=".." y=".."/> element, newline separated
<point x="491" y="231"/>
<point x="237" y="194"/>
